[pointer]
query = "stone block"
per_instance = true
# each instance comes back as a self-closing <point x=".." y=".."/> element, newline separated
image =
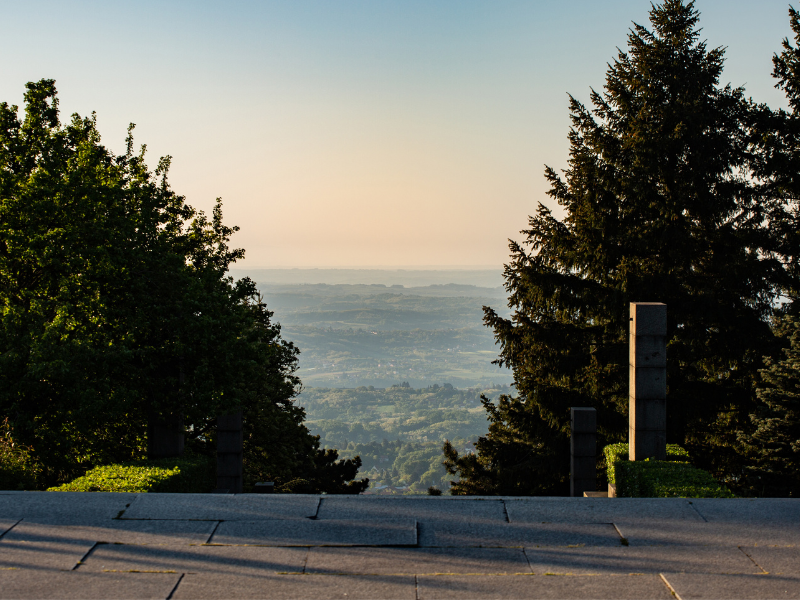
<point x="517" y="535"/>
<point x="647" y="443"/>
<point x="34" y="583"/>
<point x="595" y="494"/>
<point x="230" y="422"/>
<point x="623" y="560"/>
<point x="402" y="532"/>
<point x="647" y="382"/>
<point x="63" y="507"/>
<point x="116" y="531"/>
<point x="496" y="587"/>
<point x="425" y="509"/>
<point x="297" y="587"/>
<point x="648" y="318"/>
<point x="694" y="585"/>
<point x="589" y="510"/>
<point x="583" y="467"/>
<point x="583" y="420"/>
<point x="731" y="534"/>
<point x="222" y="507"/>
<point x="401" y="561"/>
<point x="583" y="445"/>
<point x="229" y="442"/>
<point x="648" y="350"/>
<point x="648" y="413"/>
<point x="235" y="560"/>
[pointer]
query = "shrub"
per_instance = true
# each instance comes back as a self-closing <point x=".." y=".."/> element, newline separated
<point x="193" y="474"/>
<point x="671" y="478"/>
<point x="18" y="470"/>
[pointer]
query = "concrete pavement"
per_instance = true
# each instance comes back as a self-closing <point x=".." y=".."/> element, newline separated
<point x="97" y="545"/>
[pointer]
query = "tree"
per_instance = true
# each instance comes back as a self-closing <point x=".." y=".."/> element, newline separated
<point x="118" y="313"/>
<point x="774" y="446"/>
<point x="662" y="203"/>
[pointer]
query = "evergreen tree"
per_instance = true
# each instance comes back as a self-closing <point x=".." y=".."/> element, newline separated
<point x="774" y="446"/>
<point x="659" y="206"/>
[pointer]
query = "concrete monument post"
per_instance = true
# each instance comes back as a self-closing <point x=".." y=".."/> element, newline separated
<point x="229" y="452"/>
<point x="583" y="451"/>
<point x="647" y="434"/>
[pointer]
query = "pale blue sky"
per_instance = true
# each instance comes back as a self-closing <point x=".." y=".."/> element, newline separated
<point x="344" y="133"/>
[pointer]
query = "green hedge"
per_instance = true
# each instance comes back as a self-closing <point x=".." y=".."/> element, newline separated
<point x="671" y="478"/>
<point x="193" y="474"/>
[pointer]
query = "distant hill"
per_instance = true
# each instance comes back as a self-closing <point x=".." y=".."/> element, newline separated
<point x="486" y="278"/>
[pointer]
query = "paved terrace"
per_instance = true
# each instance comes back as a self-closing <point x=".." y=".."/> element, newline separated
<point x="95" y="545"/>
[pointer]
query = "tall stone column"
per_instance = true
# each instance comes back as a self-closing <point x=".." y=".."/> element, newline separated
<point x="647" y="434"/>
<point x="583" y="451"/>
<point x="229" y="452"/>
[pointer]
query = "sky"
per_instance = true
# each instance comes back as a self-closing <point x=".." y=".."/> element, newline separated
<point x="345" y="133"/>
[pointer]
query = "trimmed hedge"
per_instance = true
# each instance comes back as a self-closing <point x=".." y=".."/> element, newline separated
<point x="672" y="478"/>
<point x="193" y="474"/>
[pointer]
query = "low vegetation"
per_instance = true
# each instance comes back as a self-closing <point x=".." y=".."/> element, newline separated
<point x="671" y="478"/>
<point x="188" y="474"/>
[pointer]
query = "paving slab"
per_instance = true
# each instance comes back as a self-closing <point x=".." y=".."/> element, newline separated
<point x="542" y="586"/>
<point x="717" y="533"/>
<point x="22" y="584"/>
<point x="690" y="586"/>
<point x="306" y="532"/>
<point x="222" y="507"/>
<point x="646" y="559"/>
<point x="301" y="587"/>
<point x="425" y="508"/>
<point x="116" y="532"/>
<point x="63" y="507"/>
<point x="43" y="555"/>
<point x="213" y="560"/>
<point x="444" y="533"/>
<point x="399" y="561"/>
<point x="598" y="510"/>
<point x="752" y="510"/>
<point x="776" y="560"/>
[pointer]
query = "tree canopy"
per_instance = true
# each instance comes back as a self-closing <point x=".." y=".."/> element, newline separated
<point x="117" y="311"/>
<point x="670" y="196"/>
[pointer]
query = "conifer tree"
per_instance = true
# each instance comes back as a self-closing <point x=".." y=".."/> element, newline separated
<point x="660" y="205"/>
<point x="775" y="444"/>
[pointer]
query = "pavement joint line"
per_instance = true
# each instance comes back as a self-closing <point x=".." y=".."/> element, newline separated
<point x="316" y="510"/>
<point x="669" y="586"/>
<point x="505" y="511"/>
<point x="753" y="560"/>
<point x="305" y="560"/>
<point x="702" y="516"/>
<point x="85" y="556"/>
<point x="177" y="583"/>
<point x="416" y="587"/>
<point x="213" y="531"/>
<point x="416" y="533"/>
<point x="527" y="559"/>
<point x="10" y="528"/>
<point x="622" y="539"/>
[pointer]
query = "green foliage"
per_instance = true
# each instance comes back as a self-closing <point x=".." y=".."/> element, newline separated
<point x="615" y="453"/>
<point x="367" y="414"/>
<point x="671" y="478"/>
<point x="663" y="201"/>
<point x="118" y="312"/>
<point x="774" y="445"/>
<point x="664" y="479"/>
<point x="18" y="469"/>
<point x="191" y="475"/>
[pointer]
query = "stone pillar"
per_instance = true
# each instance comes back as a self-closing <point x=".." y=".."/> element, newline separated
<point x="164" y="437"/>
<point x="647" y="432"/>
<point x="583" y="451"/>
<point x="229" y="452"/>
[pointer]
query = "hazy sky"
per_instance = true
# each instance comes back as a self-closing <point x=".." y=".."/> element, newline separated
<point x="354" y="133"/>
